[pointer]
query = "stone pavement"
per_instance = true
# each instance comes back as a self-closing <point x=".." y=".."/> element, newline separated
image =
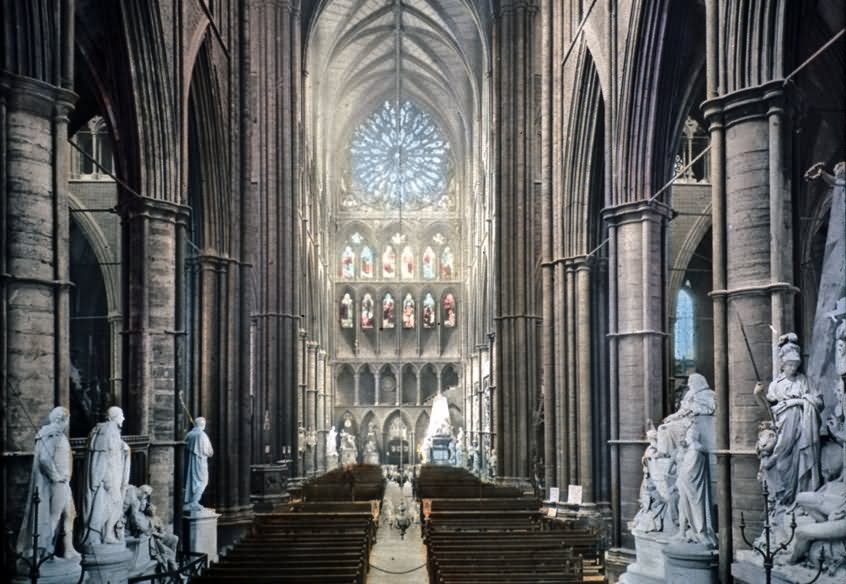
<point x="397" y="556"/>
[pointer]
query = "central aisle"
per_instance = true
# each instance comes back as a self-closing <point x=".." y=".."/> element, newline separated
<point x="396" y="557"/>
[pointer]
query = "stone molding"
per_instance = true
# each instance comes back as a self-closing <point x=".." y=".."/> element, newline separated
<point x="636" y="212"/>
<point x="36" y="97"/>
<point x="745" y="104"/>
<point x="156" y="209"/>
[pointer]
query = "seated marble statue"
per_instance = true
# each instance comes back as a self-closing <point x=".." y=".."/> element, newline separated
<point x="52" y="465"/>
<point x="821" y="515"/>
<point x="142" y="522"/>
<point x="439" y="421"/>
<point x="371" y="451"/>
<point x="198" y="450"/>
<point x="106" y="479"/>
<point x="693" y="485"/>
<point x="795" y="408"/>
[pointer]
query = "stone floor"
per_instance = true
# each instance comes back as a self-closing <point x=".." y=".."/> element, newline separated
<point x="397" y="556"/>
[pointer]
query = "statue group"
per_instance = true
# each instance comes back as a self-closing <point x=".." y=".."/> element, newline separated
<point x="114" y="512"/>
<point x="676" y="490"/>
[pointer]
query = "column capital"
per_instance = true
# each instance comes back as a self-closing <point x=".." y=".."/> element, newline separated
<point x="151" y="208"/>
<point x="35" y="96"/>
<point x="637" y="211"/>
<point x="746" y="104"/>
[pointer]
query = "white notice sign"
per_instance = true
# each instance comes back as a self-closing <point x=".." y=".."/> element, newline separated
<point x="574" y="495"/>
<point x="552" y="512"/>
<point x="554" y="493"/>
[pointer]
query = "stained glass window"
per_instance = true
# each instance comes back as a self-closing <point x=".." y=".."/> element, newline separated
<point x="399" y="158"/>
<point x="388" y="311"/>
<point x="407" y="267"/>
<point x="683" y="329"/>
<point x="429" y="264"/>
<point x="366" y="263"/>
<point x="367" y="312"/>
<point x="346" y="311"/>
<point x="449" y="310"/>
<point x="408" y="312"/>
<point x="447" y="268"/>
<point x="389" y="263"/>
<point x="429" y="318"/>
<point x="348" y="263"/>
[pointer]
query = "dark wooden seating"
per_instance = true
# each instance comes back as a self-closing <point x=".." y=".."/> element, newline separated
<point x="306" y="542"/>
<point x="500" y="536"/>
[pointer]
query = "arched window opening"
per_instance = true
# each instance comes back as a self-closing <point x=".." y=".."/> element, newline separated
<point x="683" y="330"/>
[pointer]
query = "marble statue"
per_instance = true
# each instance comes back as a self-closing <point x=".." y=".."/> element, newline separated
<point x="460" y="448"/>
<point x="371" y="451"/>
<point x="653" y="506"/>
<point x="692" y="483"/>
<point x="51" y="474"/>
<point x="156" y="547"/>
<point x="795" y="407"/>
<point x="698" y="400"/>
<point x="198" y="449"/>
<point x="348" y="448"/>
<point x="492" y="463"/>
<point x="439" y="422"/>
<point x="332" y="442"/>
<point x="106" y="479"/>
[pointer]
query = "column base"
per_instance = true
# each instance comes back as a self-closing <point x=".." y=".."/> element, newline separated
<point x="690" y="563"/>
<point x="53" y="571"/>
<point x="202" y="532"/>
<point x="649" y="566"/>
<point x="106" y="563"/>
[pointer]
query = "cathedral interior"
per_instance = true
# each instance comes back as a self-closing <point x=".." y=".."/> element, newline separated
<point x="578" y="265"/>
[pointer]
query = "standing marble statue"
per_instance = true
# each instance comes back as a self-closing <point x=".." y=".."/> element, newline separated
<point x="106" y="479"/>
<point x="332" y="448"/>
<point x="693" y="487"/>
<point x="795" y="407"/>
<point x="51" y="473"/>
<point x="198" y="450"/>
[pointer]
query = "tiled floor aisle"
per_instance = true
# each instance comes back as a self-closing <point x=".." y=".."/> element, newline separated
<point x="397" y="555"/>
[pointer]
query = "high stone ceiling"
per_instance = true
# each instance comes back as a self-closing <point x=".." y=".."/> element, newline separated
<point x="352" y="62"/>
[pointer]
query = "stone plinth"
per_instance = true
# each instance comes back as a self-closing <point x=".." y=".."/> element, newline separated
<point x="690" y="563"/>
<point x="53" y="571"/>
<point x="106" y="564"/>
<point x="201" y="527"/>
<point x="649" y="566"/>
<point x="748" y="570"/>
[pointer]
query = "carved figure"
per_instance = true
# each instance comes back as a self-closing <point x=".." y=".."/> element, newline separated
<point x="332" y="442"/>
<point x="106" y="479"/>
<point x="692" y="482"/>
<point x="795" y="408"/>
<point x="348" y="448"/>
<point x="143" y="522"/>
<point x="198" y="450"/>
<point x="51" y="474"/>
<point x="653" y="506"/>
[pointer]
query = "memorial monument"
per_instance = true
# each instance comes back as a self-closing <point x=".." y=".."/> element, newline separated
<point x="105" y="557"/>
<point x="201" y="521"/>
<point x="674" y="522"/>
<point x="47" y="528"/>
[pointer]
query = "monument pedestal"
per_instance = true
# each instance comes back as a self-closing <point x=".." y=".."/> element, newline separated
<point x="690" y="563"/>
<point x="649" y="567"/>
<point x="53" y="571"/>
<point x="748" y="570"/>
<point x="106" y="563"/>
<point x="331" y="461"/>
<point x="201" y="527"/>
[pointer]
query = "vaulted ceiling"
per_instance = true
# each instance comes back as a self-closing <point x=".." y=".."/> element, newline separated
<point x="355" y="49"/>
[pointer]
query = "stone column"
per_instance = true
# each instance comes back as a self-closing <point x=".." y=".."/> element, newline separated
<point x="515" y="257"/>
<point x="116" y="365"/>
<point x="277" y="94"/>
<point x="377" y="383"/>
<point x="311" y="405"/>
<point x="322" y="422"/>
<point x="637" y="341"/>
<point x="155" y="232"/>
<point x="585" y="386"/>
<point x="33" y="263"/>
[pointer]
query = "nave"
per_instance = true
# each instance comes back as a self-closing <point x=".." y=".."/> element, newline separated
<point x="502" y="536"/>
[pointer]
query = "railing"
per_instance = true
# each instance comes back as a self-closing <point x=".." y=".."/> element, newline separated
<point x="190" y="564"/>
